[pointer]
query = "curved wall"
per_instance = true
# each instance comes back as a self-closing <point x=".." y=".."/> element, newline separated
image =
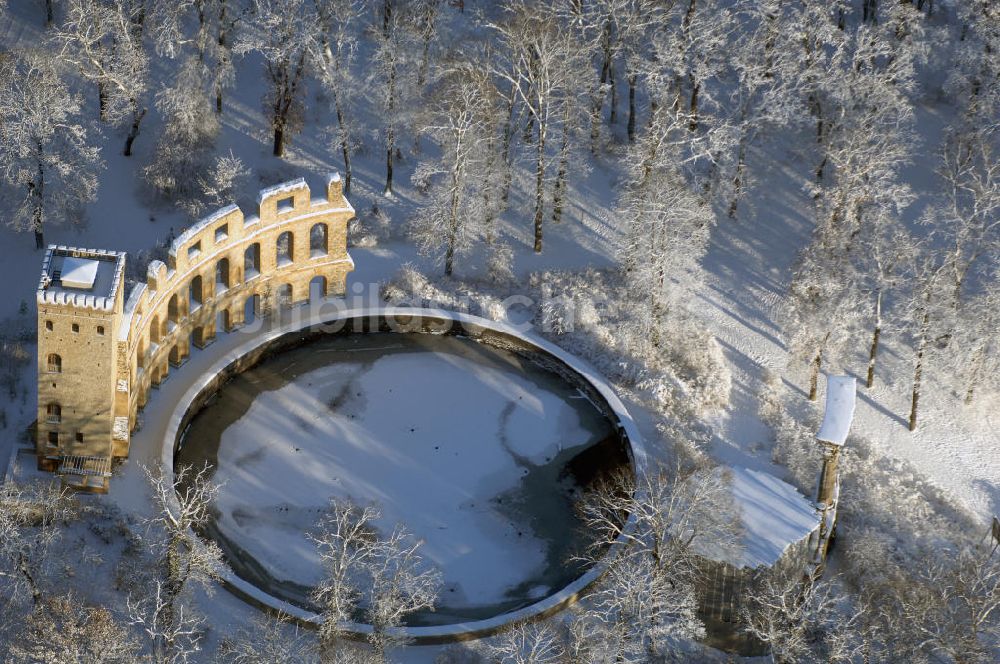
<point x="433" y="321"/>
<point x="222" y="270"/>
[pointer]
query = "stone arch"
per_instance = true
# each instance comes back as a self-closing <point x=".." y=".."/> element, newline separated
<point x="154" y="331"/>
<point x="173" y="309"/>
<point x="222" y="278"/>
<point x="317" y="288"/>
<point x="196" y="294"/>
<point x="319" y="242"/>
<point x="284" y="249"/>
<point x="223" y="320"/>
<point x="251" y="308"/>
<point x="251" y="261"/>
<point x="284" y="296"/>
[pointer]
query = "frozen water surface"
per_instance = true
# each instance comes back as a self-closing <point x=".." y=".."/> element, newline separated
<point x="476" y="450"/>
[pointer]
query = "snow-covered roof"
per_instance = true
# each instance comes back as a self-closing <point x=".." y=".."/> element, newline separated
<point x="773" y="516"/>
<point x="840" y="396"/>
<point x="79" y="272"/>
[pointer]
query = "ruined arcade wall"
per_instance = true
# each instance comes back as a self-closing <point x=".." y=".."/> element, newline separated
<point x="217" y="270"/>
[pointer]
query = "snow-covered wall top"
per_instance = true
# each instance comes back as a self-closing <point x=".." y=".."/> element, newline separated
<point x="840" y="397"/>
<point x="195" y="229"/>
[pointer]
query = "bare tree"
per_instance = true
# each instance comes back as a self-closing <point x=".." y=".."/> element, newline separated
<point x="667" y="225"/>
<point x="927" y="314"/>
<point x="524" y="643"/>
<point x="392" y="75"/>
<point x="451" y="219"/>
<point x="31" y="520"/>
<point x="401" y="584"/>
<point x="955" y="606"/>
<point x="270" y="640"/>
<point x="104" y="41"/>
<point x="184" y="562"/>
<point x="338" y="44"/>
<point x="189" y="131"/>
<point x="285" y="33"/>
<point x="824" y="316"/>
<point x="534" y="46"/>
<point x="796" y="617"/>
<point x="970" y="214"/>
<point x="63" y="629"/>
<point x="45" y="156"/>
<point x="767" y="95"/>
<point x="648" y="595"/>
<point x="346" y="540"/>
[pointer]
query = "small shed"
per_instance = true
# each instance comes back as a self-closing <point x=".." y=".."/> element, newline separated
<point x="778" y="525"/>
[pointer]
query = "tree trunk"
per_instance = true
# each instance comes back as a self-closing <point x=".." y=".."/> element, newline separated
<point x="37" y="191"/>
<point x="595" y="124"/>
<point x="741" y="160"/>
<point x="22" y="564"/>
<point x="918" y="371"/>
<point x="978" y="359"/>
<point x="693" y="107"/>
<point x="390" y="142"/>
<point x="456" y="180"/>
<point x="875" y="336"/>
<point x="559" y="191"/>
<point x="102" y="101"/>
<point x="595" y="120"/>
<point x="816" y="364"/>
<point x="387" y="191"/>
<point x="344" y="148"/>
<point x="279" y="140"/>
<point x="539" y="187"/>
<point x="631" y="108"/>
<point x="614" y="95"/>
<point x="133" y="132"/>
<point x="508" y="136"/>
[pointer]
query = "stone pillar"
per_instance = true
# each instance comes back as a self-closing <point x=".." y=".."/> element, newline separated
<point x="826" y="491"/>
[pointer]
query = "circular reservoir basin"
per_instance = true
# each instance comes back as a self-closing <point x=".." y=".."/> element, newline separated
<point x="480" y="447"/>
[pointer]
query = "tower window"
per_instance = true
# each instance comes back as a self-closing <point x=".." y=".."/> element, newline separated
<point x="48" y="325"/>
<point x="76" y="327"/>
<point x="100" y="330"/>
<point x="54" y="363"/>
<point x="53" y="438"/>
<point x="79" y="437"/>
<point x="53" y="412"/>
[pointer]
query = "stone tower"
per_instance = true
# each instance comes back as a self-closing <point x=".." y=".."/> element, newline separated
<point x="80" y="303"/>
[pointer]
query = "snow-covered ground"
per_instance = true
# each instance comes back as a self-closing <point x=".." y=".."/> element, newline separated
<point x="748" y="269"/>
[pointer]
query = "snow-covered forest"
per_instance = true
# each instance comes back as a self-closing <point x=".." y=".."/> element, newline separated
<point x="714" y="202"/>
